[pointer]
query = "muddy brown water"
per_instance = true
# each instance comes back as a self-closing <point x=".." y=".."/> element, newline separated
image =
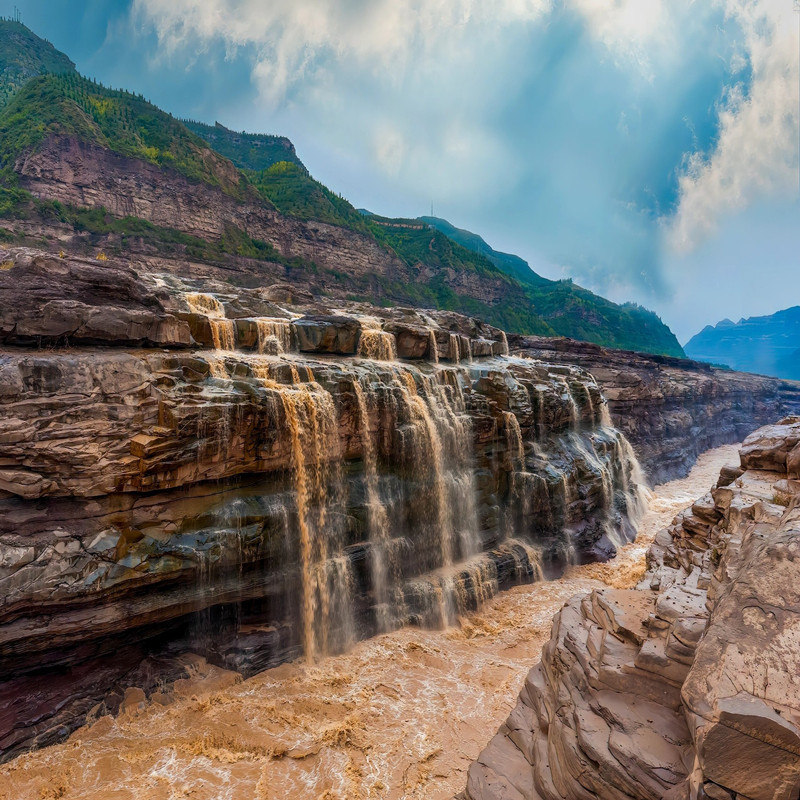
<point x="400" y="716"/>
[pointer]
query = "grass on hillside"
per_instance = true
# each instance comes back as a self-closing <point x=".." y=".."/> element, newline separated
<point x="24" y="55"/>
<point x="248" y="151"/>
<point x="294" y="192"/>
<point x="117" y="120"/>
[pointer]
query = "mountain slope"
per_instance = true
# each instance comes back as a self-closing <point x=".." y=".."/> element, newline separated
<point x="510" y="264"/>
<point x="150" y="180"/>
<point x="768" y="345"/>
<point x="23" y="55"/>
<point x="71" y="105"/>
<point x="253" y="151"/>
<point x="570" y="310"/>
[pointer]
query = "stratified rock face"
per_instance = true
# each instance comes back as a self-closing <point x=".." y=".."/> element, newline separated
<point x="671" y="410"/>
<point x="255" y="481"/>
<point x="686" y="687"/>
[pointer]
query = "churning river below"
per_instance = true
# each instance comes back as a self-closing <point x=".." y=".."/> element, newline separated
<point x="399" y="716"/>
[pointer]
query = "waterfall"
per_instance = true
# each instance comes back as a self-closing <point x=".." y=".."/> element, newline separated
<point x="376" y="344"/>
<point x="274" y="335"/>
<point x="516" y="448"/>
<point x="574" y="413"/>
<point x="433" y="347"/>
<point x="504" y="342"/>
<point x="392" y="513"/>
<point x="326" y="573"/>
<point x="454" y="349"/>
<point x="634" y="482"/>
<point x="383" y="563"/>
<point x="222" y="330"/>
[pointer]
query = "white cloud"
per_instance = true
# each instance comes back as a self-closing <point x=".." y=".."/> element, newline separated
<point x="294" y="36"/>
<point x="756" y="155"/>
<point x="410" y="84"/>
<point x="547" y="119"/>
<point x="628" y="28"/>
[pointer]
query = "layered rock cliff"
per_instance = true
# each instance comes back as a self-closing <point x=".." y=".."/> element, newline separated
<point x="671" y="409"/>
<point x="686" y="687"/>
<point x="219" y="472"/>
<point x="249" y="474"/>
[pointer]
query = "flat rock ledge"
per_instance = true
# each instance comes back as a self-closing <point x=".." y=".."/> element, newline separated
<point x="687" y="687"/>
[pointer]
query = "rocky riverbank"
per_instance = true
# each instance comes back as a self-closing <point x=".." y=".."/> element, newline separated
<point x="685" y="687"/>
<point x="252" y="475"/>
<point x="253" y="480"/>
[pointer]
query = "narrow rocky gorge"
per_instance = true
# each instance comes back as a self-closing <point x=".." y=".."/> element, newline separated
<point x="687" y="686"/>
<point x="671" y="410"/>
<point x="194" y="470"/>
<point x="400" y="716"/>
<point x="256" y="484"/>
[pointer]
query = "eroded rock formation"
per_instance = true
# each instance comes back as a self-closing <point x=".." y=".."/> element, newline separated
<point x="687" y="686"/>
<point x="670" y="409"/>
<point x="252" y="474"/>
<point x="189" y="466"/>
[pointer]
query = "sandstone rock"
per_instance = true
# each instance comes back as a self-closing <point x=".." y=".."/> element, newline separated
<point x="48" y="300"/>
<point x="413" y="341"/>
<point x="793" y="462"/>
<point x="769" y="448"/>
<point x="317" y="334"/>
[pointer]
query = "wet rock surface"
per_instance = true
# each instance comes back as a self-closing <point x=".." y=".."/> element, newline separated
<point x="670" y="409"/>
<point x="254" y="474"/>
<point x="275" y="481"/>
<point x="685" y="687"/>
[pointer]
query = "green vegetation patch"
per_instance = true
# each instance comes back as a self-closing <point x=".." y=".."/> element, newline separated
<point x="251" y="151"/>
<point x="290" y="188"/>
<point x="23" y="55"/>
<point x="71" y="105"/>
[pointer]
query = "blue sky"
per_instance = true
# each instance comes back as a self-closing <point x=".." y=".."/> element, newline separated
<point x="646" y="148"/>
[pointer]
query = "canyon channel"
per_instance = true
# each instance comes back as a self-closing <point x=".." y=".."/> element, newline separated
<point x="257" y="542"/>
<point x="401" y="715"/>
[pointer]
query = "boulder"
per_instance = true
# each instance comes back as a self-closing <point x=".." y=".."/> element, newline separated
<point x="331" y="335"/>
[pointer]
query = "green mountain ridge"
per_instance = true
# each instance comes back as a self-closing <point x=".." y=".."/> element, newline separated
<point x="44" y="95"/>
<point x="510" y="264"/>
<point x="23" y="55"/>
<point x="248" y="151"/>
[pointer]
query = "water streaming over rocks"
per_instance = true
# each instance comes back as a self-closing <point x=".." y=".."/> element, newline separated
<point x="473" y="475"/>
<point x="274" y="336"/>
<point x="222" y="329"/>
<point x="398" y="717"/>
<point x="299" y="485"/>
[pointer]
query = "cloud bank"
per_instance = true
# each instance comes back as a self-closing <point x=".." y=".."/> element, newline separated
<point x="756" y="155"/>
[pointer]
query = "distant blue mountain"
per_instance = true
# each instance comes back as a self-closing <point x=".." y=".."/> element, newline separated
<point x="767" y="345"/>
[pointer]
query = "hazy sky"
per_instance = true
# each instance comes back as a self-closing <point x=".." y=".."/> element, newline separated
<point x="646" y="148"/>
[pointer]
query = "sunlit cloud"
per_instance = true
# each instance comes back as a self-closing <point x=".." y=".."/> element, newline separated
<point x="756" y="155"/>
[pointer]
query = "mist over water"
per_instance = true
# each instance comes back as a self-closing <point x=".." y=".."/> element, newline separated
<point x="401" y="715"/>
